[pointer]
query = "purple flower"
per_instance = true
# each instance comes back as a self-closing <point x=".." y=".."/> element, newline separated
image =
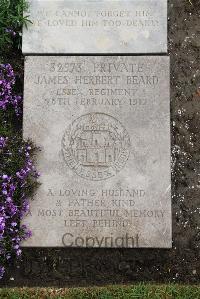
<point x="18" y="252"/>
<point x="7" y="96"/>
<point x="2" y="223"/>
<point x="13" y="201"/>
<point x="26" y="232"/>
<point x="25" y="208"/>
<point x="2" y="271"/>
<point x="10" y="31"/>
<point x="3" y="141"/>
<point x="8" y="199"/>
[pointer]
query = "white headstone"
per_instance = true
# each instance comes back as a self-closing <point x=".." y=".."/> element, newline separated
<point x="94" y="26"/>
<point x="103" y="126"/>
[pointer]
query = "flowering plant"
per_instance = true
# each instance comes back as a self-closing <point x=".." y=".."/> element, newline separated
<point x="12" y="20"/>
<point x="17" y="172"/>
<point x="15" y="181"/>
<point x="7" y="96"/>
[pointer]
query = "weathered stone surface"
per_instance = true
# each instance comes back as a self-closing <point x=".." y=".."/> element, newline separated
<point x="130" y="26"/>
<point x="103" y="127"/>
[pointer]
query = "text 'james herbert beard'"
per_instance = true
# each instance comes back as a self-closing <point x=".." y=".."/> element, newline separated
<point x="124" y="241"/>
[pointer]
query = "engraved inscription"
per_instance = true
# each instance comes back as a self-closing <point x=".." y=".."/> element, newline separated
<point x="87" y="26"/>
<point x="102" y="124"/>
<point x="96" y="146"/>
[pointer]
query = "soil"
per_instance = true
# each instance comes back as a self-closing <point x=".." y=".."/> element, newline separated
<point x="86" y="267"/>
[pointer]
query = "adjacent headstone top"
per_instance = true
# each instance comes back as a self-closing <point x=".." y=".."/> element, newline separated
<point x="94" y="26"/>
<point x="103" y="126"/>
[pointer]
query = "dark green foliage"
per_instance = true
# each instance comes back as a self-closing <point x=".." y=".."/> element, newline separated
<point x="11" y="22"/>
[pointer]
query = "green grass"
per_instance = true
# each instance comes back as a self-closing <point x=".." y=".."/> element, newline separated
<point x="141" y="291"/>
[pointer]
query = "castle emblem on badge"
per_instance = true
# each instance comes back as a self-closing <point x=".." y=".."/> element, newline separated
<point x="96" y="146"/>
